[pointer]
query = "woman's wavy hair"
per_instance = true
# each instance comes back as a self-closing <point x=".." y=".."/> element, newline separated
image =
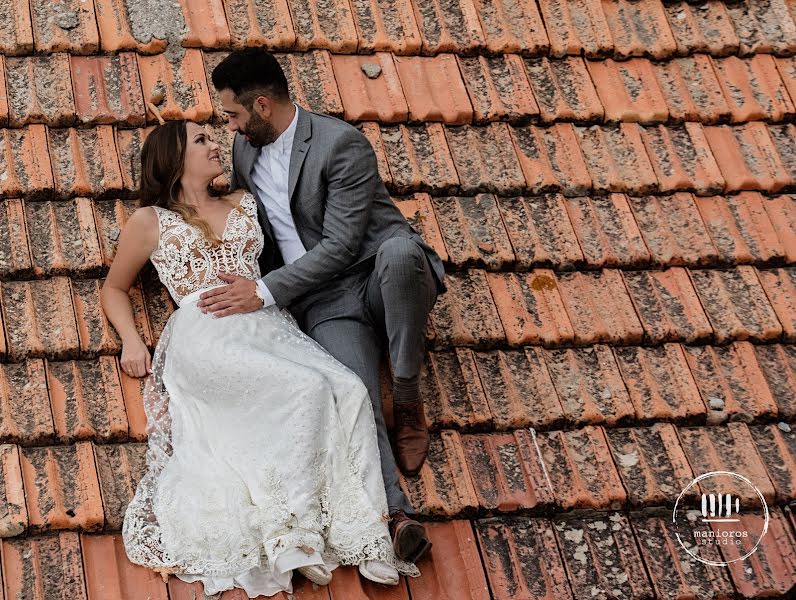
<point x="162" y="166"/>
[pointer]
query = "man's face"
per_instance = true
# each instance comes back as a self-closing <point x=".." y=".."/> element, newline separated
<point x="255" y="125"/>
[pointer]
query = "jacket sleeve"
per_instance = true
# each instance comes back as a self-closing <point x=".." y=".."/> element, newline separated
<point x="234" y="182"/>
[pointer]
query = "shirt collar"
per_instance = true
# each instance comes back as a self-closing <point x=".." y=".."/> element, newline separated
<point x="285" y="139"/>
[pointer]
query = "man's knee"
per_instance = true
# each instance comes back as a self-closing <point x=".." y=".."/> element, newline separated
<point x="397" y="250"/>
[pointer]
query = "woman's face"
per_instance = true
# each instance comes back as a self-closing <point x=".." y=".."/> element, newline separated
<point x="202" y="160"/>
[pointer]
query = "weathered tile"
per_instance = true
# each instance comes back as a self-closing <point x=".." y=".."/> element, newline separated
<point x="563" y="89"/>
<point x="747" y="157"/>
<point x="61" y="487"/>
<point x="158" y="303"/>
<point x="329" y="26"/>
<point x="25" y="416"/>
<point x="639" y="28"/>
<point x="181" y="84"/>
<point x="129" y="143"/>
<point x="16" y="32"/>
<point x="419" y="211"/>
<point x="454" y="569"/>
<point x="777" y="448"/>
<point x="389" y="27"/>
<point x="531" y="308"/>
<point x="107" y="90"/>
<point x="607" y="232"/>
<point x="364" y="98"/>
<point x="44" y="567"/>
<point x="485" y="159"/>
<point x="512" y="26"/>
<point x="778" y="365"/>
<point x="690" y="89"/>
<point x="15" y="256"/>
<point x="506" y="471"/>
<point x="651" y="463"/>
<point x="787" y="71"/>
<point x="753" y="88"/>
<point x="133" y="393"/>
<point x="13" y="510"/>
<point x="85" y="162"/>
<point x="763" y="27"/>
<point x="704" y="27"/>
<point x="602" y="557"/>
<point x="3" y="94"/>
<point x="434" y="89"/>
<point x="780" y="287"/>
<point x="449" y="27"/>
<point x="110" y="217"/>
<point x="782" y="212"/>
<point x="347" y="583"/>
<point x="110" y="574"/>
<point x="616" y="158"/>
<point x="589" y="385"/>
<point x="576" y="27"/>
<point x="373" y="133"/>
<point x="39" y="90"/>
<point x="258" y="23"/>
<point x="452" y="393"/>
<point x="518" y="389"/>
<point x="443" y="487"/>
<point x="540" y="231"/>
<point x="419" y="158"/>
<point x="628" y="90"/>
<point x="64" y="26"/>
<point x="123" y="29"/>
<point x="39" y="319"/>
<point x="726" y="448"/>
<point x="673" y="230"/>
<point x="667" y="305"/>
<point x="551" y="159"/>
<point x="311" y="82"/>
<point x="784" y="138"/>
<point x="599" y="307"/>
<point x="25" y="163"/>
<point x="736" y="304"/>
<point x="120" y="468"/>
<point x="205" y="24"/>
<point x="473" y="231"/>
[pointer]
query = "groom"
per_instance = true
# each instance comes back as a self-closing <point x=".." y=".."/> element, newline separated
<point x="338" y="254"/>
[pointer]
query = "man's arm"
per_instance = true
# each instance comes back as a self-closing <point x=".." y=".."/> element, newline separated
<point x="234" y="184"/>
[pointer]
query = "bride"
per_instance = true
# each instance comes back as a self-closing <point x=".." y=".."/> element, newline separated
<point x="262" y="455"/>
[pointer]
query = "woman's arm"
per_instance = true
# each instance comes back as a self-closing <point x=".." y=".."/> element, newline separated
<point x="138" y="240"/>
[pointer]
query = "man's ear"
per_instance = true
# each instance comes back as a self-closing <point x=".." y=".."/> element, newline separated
<point x="263" y="107"/>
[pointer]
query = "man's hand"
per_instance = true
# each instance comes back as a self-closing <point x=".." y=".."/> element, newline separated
<point x="235" y="298"/>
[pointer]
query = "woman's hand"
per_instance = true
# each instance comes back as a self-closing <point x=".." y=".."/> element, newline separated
<point x="136" y="361"/>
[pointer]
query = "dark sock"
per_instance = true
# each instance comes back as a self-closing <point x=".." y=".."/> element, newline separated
<point x="405" y="389"/>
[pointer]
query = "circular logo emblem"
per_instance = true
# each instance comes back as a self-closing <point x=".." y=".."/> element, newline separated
<point x="705" y="522"/>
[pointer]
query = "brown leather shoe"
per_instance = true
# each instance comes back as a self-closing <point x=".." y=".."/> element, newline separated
<point x="411" y="436"/>
<point x="408" y="537"/>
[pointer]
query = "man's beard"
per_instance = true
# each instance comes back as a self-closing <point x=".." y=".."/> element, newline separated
<point x="259" y="132"/>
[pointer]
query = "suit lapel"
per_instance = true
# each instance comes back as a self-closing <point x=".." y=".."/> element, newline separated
<point x="301" y="145"/>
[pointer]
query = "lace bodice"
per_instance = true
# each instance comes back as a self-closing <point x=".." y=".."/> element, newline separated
<point x="186" y="261"/>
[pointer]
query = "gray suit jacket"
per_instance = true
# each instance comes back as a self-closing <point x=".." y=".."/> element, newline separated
<point x="339" y="203"/>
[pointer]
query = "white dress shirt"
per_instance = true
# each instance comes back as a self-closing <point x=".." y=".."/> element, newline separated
<point x="270" y="177"/>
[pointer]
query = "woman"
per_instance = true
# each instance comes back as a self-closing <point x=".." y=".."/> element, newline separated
<point x="262" y="455"/>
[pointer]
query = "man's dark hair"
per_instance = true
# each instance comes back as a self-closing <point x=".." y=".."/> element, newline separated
<point x="250" y="73"/>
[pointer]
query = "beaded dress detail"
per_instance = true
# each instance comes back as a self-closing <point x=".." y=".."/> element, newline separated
<point x="262" y="453"/>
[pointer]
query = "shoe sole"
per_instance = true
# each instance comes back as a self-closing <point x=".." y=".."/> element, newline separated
<point x="411" y="543"/>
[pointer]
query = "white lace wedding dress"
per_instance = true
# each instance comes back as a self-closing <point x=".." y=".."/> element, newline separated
<point x="262" y="452"/>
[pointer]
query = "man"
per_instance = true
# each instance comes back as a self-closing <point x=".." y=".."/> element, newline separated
<point x="338" y="254"/>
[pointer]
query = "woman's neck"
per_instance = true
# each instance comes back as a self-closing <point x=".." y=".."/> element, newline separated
<point x="195" y="194"/>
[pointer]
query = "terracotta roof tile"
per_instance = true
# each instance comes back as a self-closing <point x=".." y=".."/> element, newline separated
<point x="763" y="26"/>
<point x="714" y="448"/>
<point x="784" y="137"/>
<point x="667" y="305"/>
<point x="576" y="26"/>
<point x="133" y="393"/>
<point x="780" y="287"/>
<point x="434" y="89"/>
<point x="129" y="143"/>
<point x="753" y="88"/>
<point x="589" y="385"/>
<point x="373" y="133"/>
<point x="158" y="303"/>
<point x="691" y="89"/>
<point x="599" y="307"/>
<point x="449" y="27"/>
<point x="518" y="389"/>
<point x="777" y="448"/>
<point x="328" y="26"/>
<point x="39" y="90"/>
<point x="540" y="231"/>
<point x="736" y="304"/>
<point x="673" y="230"/>
<point x="778" y="364"/>
<point x="453" y="569"/>
<point x="628" y="90"/>
<point x="252" y="23"/>
<point x="581" y="470"/>
<point x="16" y="32"/>
<point x="118" y="32"/>
<point x="651" y="463"/>
<point x="639" y="28"/>
<point x="512" y="26"/>
<point x="25" y="162"/>
<point x="600" y="553"/>
<point x="706" y="27"/>
<point x="551" y="159"/>
<point x="563" y="89"/>
<point x="485" y="159"/>
<point x="61" y="487"/>
<point x="181" y="83"/>
<point x="607" y="232"/>
<point x="522" y="559"/>
<point x="443" y="486"/>
<point x="787" y="70"/>
<point x="85" y="162"/>
<point x="120" y="467"/>
<point x="25" y="413"/>
<point x="107" y="89"/>
<point x="206" y="24"/>
<point x="364" y="98"/>
<point x="419" y="157"/>
<point x="466" y="315"/>
<point x="110" y="574"/>
<point x="390" y="28"/>
<point x="44" y="567"/>
<point x="68" y="26"/>
<point x="617" y="159"/>
<point x="3" y="93"/>
<point x="660" y="384"/>
<point x="451" y="391"/>
<point x="63" y="237"/>
<point x="14" y="519"/>
<point x="419" y="211"/>
<point x="531" y="308"/>
<point x="15" y="258"/>
<point x="310" y="79"/>
<point x="348" y="584"/>
<point x="39" y="319"/>
<point x="110" y="217"/>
